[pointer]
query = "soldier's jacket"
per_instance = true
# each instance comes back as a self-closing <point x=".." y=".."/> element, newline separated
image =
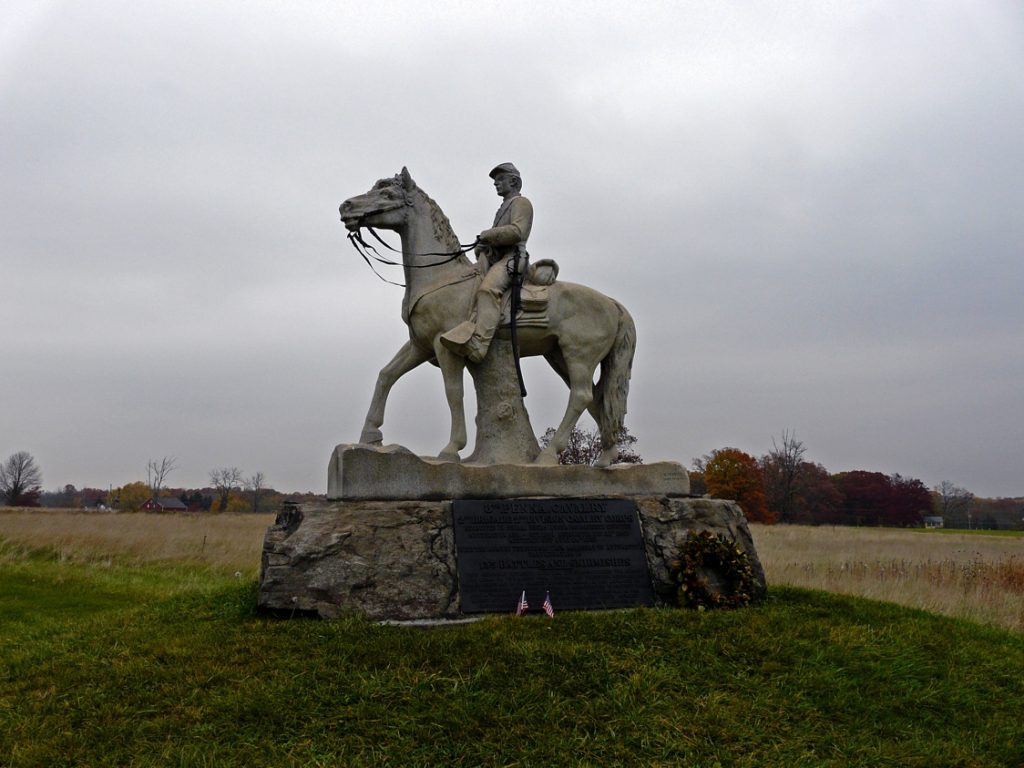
<point x="512" y="225"/>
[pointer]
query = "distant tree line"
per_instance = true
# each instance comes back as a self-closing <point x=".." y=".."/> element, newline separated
<point x="229" y="490"/>
<point x="782" y="486"/>
<point x="132" y="496"/>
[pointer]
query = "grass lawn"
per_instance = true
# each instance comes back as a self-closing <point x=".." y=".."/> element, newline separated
<point x="974" y="532"/>
<point x="108" y="663"/>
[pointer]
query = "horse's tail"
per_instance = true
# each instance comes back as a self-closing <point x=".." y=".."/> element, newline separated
<point x="612" y="389"/>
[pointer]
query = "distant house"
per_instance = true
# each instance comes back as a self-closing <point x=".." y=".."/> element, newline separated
<point x="165" y="504"/>
<point x="933" y="522"/>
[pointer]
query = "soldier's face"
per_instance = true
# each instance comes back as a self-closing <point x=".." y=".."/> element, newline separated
<point x="503" y="185"/>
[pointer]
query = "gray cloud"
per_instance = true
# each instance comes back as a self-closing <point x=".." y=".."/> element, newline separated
<point x="811" y="210"/>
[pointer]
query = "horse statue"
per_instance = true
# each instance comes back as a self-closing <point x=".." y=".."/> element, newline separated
<point x="585" y="329"/>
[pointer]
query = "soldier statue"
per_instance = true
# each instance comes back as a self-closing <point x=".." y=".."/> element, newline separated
<point x="501" y="253"/>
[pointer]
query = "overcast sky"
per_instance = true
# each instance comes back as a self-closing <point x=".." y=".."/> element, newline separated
<point x="814" y="212"/>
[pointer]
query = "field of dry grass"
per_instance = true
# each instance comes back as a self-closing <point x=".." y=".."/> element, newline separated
<point x="973" y="576"/>
<point x="968" y="575"/>
<point x="226" y="542"/>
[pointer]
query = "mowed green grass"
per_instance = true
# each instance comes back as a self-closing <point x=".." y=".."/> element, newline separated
<point x="113" y="664"/>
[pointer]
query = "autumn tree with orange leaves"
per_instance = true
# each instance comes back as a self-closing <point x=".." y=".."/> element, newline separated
<point x="729" y="473"/>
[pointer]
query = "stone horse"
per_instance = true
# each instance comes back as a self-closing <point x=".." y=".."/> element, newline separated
<point x="585" y="329"/>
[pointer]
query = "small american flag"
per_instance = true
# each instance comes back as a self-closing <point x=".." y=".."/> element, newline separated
<point x="549" y="609"/>
<point x="523" y="606"/>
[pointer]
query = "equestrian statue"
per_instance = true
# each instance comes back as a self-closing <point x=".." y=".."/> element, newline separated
<point x="454" y="309"/>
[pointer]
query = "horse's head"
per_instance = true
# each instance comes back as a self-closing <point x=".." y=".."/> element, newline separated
<point x="386" y="205"/>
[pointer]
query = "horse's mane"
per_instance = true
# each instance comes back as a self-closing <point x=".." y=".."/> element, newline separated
<point x="442" y="227"/>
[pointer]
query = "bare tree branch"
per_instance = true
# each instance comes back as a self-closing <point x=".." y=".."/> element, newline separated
<point x="256" y="485"/>
<point x="782" y="469"/>
<point x="225" y="480"/>
<point x="157" y="472"/>
<point x="954" y="504"/>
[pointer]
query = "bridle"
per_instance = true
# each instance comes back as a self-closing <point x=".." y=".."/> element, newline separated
<point x="369" y="251"/>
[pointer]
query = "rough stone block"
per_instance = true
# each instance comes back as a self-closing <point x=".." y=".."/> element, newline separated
<point x="396" y="560"/>
<point x="665" y="524"/>
<point x="385" y="560"/>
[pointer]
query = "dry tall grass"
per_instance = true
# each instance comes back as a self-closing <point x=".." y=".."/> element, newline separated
<point x="972" y="576"/>
<point x="226" y="542"/>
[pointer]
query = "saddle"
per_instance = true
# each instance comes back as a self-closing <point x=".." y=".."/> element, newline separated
<point x="533" y="297"/>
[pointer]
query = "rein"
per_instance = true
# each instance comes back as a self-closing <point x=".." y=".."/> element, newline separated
<point x="368" y="251"/>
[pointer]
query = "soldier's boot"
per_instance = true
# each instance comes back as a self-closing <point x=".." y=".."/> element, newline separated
<point x="472" y="341"/>
<point x="488" y="315"/>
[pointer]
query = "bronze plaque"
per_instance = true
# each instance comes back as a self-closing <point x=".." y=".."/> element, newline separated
<point x="587" y="553"/>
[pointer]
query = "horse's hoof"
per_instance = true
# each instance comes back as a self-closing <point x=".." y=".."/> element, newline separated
<point x="451" y="456"/>
<point x="371" y="437"/>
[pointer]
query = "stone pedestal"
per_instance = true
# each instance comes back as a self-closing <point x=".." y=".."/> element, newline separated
<point x="363" y="473"/>
<point x="397" y="559"/>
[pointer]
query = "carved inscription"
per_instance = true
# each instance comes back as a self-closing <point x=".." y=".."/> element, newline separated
<point x="588" y="553"/>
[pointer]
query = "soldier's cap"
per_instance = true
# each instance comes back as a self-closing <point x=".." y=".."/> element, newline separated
<point x="505" y="168"/>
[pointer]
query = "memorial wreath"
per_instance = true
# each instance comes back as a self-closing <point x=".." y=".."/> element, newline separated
<point x="702" y="551"/>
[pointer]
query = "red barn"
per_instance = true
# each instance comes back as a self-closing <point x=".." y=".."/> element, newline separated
<point x="165" y="504"/>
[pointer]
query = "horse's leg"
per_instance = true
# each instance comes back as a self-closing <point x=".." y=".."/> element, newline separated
<point x="608" y="455"/>
<point x="407" y="358"/>
<point x="452" y="367"/>
<point x="581" y="394"/>
<point x="557" y="363"/>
